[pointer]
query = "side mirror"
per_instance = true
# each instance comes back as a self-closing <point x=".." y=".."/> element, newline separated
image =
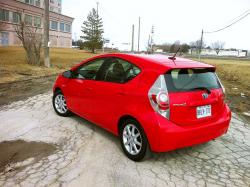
<point x="68" y="74"/>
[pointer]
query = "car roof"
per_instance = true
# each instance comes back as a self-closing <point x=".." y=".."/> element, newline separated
<point x="158" y="61"/>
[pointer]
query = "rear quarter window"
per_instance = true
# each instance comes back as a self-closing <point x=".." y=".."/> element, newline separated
<point x="178" y="80"/>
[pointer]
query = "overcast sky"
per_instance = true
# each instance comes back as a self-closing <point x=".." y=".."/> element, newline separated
<point x="173" y="20"/>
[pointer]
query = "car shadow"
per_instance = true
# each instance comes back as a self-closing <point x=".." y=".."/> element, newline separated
<point x="99" y="130"/>
<point x="152" y="156"/>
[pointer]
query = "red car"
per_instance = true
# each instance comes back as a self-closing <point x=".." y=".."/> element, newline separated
<point x="152" y="102"/>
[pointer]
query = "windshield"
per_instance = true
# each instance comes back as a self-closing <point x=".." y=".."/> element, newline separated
<point x="190" y="79"/>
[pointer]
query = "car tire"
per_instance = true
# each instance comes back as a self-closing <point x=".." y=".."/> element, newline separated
<point x="59" y="104"/>
<point x="133" y="140"/>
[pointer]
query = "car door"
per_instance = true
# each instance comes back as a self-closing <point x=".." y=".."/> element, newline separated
<point x="111" y="92"/>
<point x="79" y="89"/>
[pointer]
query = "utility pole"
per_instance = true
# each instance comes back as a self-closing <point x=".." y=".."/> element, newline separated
<point x="148" y="49"/>
<point x="97" y="5"/>
<point x="139" y="30"/>
<point x="103" y="44"/>
<point x="201" y="44"/>
<point x="151" y="43"/>
<point x="132" y="46"/>
<point x="46" y="33"/>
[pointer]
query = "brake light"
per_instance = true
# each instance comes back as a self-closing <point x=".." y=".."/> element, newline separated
<point x="158" y="97"/>
<point x="222" y="87"/>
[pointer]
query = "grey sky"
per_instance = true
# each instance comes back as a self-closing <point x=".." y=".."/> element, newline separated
<point x="173" y="20"/>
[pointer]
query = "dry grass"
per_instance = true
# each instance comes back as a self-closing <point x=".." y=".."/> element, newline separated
<point x="13" y="64"/>
<point x="233" y="73"/>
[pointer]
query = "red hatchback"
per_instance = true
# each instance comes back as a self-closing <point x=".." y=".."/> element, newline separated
<point x="152" y="102"/>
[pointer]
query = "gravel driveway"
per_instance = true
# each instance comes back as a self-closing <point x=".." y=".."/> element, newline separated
<point x="86" y="155"/>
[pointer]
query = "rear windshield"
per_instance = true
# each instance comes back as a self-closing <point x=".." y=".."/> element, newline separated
<point x="179" y="80"/>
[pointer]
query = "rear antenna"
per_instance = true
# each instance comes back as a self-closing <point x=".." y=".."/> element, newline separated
<point x="173" y="57"/>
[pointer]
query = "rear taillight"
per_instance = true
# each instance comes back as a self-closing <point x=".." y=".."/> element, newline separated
<point x="158" y="97"/>
<point x="222" y="87"/>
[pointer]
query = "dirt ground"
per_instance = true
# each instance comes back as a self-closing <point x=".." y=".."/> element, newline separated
<point x="20" y="90"/>
<point x="20" y="150"/>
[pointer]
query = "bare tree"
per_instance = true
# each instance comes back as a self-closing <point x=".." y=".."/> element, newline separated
<point x="218" y="46"/>
<point x="174" y="47"/>
<point x="31" y="39"/>
<point x="196" y="45"/>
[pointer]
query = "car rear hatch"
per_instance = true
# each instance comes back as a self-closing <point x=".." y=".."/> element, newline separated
<point x="195" y="95"/>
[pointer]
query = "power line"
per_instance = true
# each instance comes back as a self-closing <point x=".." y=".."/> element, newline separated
<point x="237" y="19"/>
<point x="234" y="22"/>
<point x="247" y="11"/>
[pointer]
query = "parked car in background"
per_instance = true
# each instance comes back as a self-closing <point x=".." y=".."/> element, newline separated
<point x="152" y="102"/>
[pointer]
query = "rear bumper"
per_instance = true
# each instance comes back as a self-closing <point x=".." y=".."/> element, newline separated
<point x="172" y="136"/>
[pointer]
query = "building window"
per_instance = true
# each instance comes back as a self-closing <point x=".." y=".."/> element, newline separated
<point x="4" y="38"/>
<point x="62" y="27"/>
<point x="16" y="17"/>
<point x="59" y="2"/>
<point x="38" y="3"/>
<point x="4" y="15"/>
<point x="31" y="2"/>
<point x="51" y="8"/>
<point x="37" y="21"/>
<point x="28" y="19"/>
<point x="53" y="25"/>
<point x="67" y="28"/>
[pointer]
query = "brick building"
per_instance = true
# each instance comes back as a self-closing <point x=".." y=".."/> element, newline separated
<point x="32" y="12"/>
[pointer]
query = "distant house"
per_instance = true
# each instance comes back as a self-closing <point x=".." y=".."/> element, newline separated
<point x="159" y="51"/>
<point x="33" y="11"/>
<point x="223" y="52"/>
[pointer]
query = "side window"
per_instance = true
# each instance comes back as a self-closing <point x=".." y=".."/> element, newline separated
<point x="120" y="71"/>
<point x="89" y="70"/>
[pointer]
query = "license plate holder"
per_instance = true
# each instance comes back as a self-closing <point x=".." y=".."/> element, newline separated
<point x="203" y="111"/>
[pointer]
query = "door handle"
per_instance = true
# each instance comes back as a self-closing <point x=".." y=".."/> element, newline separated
<point x="89" y="89"/>
<point x="121" y="93"/>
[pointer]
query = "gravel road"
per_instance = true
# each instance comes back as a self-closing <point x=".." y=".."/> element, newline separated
<point x="86" y="155"/>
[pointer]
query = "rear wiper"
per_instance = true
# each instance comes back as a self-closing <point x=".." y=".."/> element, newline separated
<point x="202" y="88"/>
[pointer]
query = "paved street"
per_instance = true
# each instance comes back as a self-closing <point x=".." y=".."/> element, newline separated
<point x="86" y="155"/>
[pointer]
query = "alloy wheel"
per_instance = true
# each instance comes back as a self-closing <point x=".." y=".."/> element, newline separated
<point x="60" y="104"/>
<point x="132" y="139"/>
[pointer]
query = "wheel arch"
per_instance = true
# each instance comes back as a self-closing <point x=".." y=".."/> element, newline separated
<point x="124" y="118"/>
<point x="57" y="89"/>
<point x="127" y="116"/>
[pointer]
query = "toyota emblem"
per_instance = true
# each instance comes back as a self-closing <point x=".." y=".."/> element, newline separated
<point x="204" y="95"/>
